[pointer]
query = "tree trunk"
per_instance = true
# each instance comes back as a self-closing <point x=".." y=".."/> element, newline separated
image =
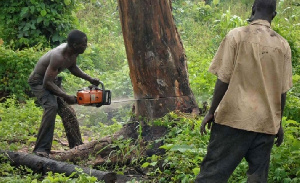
<point x="156" y="58"/>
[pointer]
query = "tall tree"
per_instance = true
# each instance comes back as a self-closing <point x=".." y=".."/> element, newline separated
<point x="156" y="58"/>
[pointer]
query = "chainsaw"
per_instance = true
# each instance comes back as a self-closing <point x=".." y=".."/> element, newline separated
<point x="94" y="96"/>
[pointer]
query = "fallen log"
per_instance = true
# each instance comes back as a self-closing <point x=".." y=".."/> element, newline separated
<point x="83" y="151"/>
<point x="96" y="148"/>
<point x="43" y="165"/>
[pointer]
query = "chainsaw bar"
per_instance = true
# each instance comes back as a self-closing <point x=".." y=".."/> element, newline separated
<point x="132" y="100"/>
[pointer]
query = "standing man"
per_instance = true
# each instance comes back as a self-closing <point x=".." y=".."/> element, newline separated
<point x="254" y="70"/>
<point x="43" y="84"/>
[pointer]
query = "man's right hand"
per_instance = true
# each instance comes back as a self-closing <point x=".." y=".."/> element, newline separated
<point x="70" y="99"/>
<point x="95" y="81"/>
<point x="279" y="136"/>
<point x="208" y="119"/>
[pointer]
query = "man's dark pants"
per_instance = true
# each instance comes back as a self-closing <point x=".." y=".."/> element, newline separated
<point x="227" y="147"/>
<point x="49" y="103"/>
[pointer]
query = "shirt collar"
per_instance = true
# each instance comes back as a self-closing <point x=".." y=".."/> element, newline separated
<point x="261" y="22"/>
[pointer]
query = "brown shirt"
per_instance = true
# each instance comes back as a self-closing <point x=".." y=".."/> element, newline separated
<point x="256" y="62"/>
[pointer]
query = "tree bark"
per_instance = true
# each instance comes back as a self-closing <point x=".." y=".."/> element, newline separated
<point x="156" y="58"/>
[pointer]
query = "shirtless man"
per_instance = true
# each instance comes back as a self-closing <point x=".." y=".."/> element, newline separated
<point x="42" y="83"/>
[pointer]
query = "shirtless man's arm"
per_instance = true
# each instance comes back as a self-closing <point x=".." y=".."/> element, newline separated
<point x="51" y="73"/>
<point x="76" y="71"/>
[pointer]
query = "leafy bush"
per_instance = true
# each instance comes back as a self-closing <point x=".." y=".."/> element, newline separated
<point x="15" y="68"/>
<point x="106" y="50"/>
<point x="29" y="23"/>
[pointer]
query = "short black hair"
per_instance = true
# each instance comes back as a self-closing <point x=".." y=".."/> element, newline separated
<point x="75" y="36"/>
<point x="265" y="5"/>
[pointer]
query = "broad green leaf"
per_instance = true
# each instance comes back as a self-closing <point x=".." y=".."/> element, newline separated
<point x="24" y="11"/>
<point x="32" y="139"/>
<point x="146" y="164"/>
<point x="196" y="171"/>
<point x="296" y="78"/>
<point x="67" y="2"/>
<point x="167" y="146"/>
<point x="32" y="9"/>
<point x="215" y="2"/>
<point x="43" y="13"/>
<point x="153" y="163"/>
<point x="39" y="19"/>
<point x="181" y="148"/>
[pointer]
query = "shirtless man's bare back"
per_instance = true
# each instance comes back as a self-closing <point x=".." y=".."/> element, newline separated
<point x="42" y="83"/>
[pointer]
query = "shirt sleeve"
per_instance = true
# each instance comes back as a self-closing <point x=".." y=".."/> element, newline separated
<point x="287" y="79"/>
<point x="223" y="63"/>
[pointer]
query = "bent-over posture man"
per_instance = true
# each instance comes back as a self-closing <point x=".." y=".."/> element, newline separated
<point x="43" y="84"/>
<point x="254" y="70"/>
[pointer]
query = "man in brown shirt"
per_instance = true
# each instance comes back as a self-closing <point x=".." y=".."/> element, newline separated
<point x="254" y="70"/>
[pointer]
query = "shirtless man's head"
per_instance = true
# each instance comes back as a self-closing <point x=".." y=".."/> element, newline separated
<point x="77" y="40"/>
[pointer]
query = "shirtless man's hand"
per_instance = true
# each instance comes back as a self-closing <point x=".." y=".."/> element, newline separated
<point x="70" y="99"/>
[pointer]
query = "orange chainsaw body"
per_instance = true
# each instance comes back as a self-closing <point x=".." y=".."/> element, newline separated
<point x="87" y="97"/>
<point x="94" y="96"/>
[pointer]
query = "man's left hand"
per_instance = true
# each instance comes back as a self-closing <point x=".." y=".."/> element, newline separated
<point x="279" y="136"/>
<point x="95" y="81"/>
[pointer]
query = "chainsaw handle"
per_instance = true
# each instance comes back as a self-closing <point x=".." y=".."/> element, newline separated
<point x="103" y="91"/>
<point x="102" y="85"/>
<point x="96" y="87"/>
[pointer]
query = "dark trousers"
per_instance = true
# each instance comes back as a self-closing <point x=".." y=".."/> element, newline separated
<point x="49" y="103"/>
<point x="227" y="147"/>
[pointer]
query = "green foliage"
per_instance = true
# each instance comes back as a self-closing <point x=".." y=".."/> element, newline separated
<point x="29" y="23"/>
<point x="285" y="162"/>
<point x="106" y="50"/>
<point x="186" y="148"/>
<point x="15" y="68"/>
<point x="18" y="128"/>
<point x="287" y="25"/>
<point x="76" y="177"/>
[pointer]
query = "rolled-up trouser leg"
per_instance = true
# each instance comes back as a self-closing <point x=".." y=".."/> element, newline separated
<point x="45" y="134"/>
